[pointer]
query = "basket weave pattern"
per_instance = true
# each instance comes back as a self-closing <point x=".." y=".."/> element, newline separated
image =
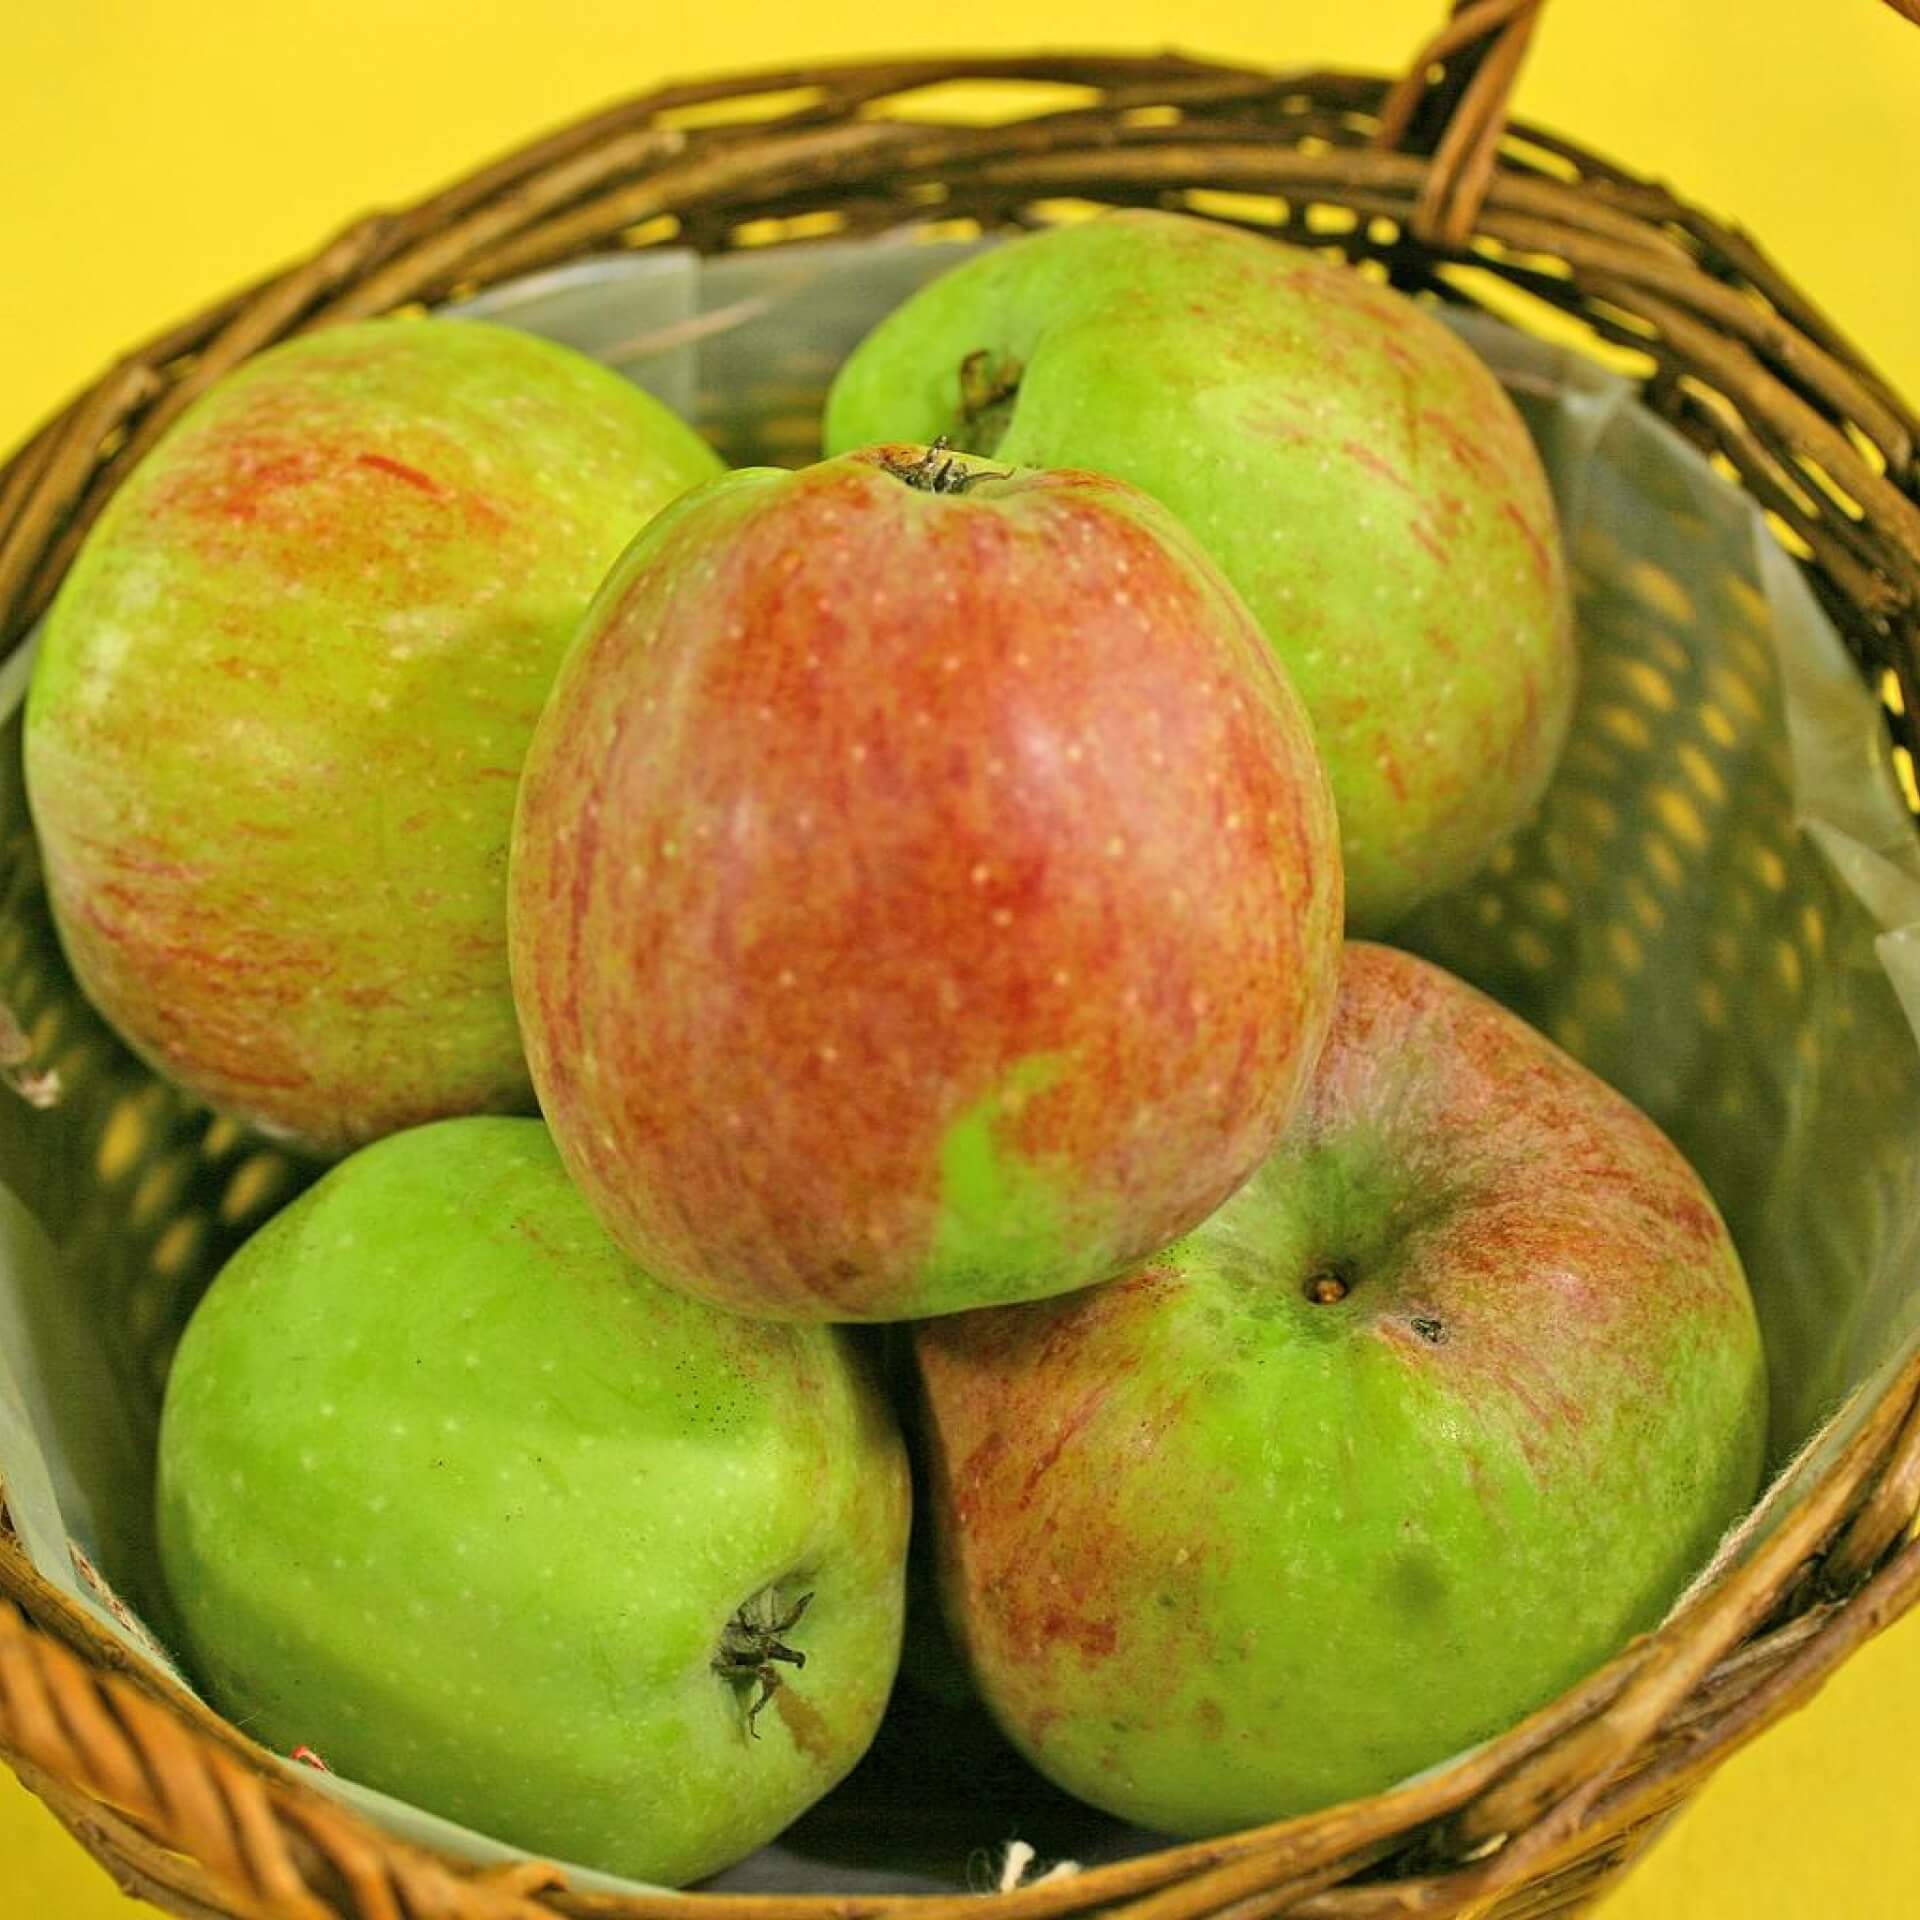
<point x="1427" y="183"/>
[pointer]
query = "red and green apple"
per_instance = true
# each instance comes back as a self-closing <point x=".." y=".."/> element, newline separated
<point x="280" y="705"/>
<point x="1356" y="472"/>
<point x="924" y="892"/>
<point x="1446" y="1404"/>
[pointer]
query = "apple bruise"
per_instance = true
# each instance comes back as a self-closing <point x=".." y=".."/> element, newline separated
<point x="920" y="896"/>
<point x="1437" y="1411"/>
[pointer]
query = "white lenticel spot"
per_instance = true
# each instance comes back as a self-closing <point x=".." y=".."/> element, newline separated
<point x="1002" y="917"/>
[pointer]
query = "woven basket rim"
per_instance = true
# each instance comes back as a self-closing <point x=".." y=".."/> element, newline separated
<point x="179" y="1805"/>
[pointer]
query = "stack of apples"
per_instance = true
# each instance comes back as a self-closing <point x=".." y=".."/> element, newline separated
<point x="938" y="886"/>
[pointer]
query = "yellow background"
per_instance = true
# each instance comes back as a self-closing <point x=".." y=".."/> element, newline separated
<point x="151" y="155"/>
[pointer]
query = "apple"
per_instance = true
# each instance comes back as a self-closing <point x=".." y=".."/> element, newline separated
<point x="280" y="704"/>
<point x="1446" y="1404"/>
<point x="453" y="1495"/>
<point x="924" y="892"/>
<point x="1356" y="472"/>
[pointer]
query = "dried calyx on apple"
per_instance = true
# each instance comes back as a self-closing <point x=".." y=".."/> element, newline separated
<point x="937" y="469"/>
<point x="751" y="1648"/>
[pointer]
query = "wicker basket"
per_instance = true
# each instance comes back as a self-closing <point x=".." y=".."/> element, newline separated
<point x="1422" y="178"/>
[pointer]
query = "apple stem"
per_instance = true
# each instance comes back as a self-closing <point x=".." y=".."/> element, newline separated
<point x="1327" y="1287"/>
<point x="750" y="1643"/>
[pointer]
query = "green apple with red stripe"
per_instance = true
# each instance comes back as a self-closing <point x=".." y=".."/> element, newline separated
<point x="925" y="889"/>
<point x="1444" y="1406"/>
<point x="279" y="708"/>
<point x="1356" y="472"/>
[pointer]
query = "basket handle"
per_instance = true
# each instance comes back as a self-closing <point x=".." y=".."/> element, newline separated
<point x="1452" y="103"/>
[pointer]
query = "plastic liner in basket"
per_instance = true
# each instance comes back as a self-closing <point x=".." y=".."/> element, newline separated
<point x="1717" y="907"/>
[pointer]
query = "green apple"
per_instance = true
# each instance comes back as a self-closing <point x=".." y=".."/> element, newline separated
<point x="452" y="1494"/>
<point x="1355" y="471"/>
<point x="278" y="714"/>
<point x="1446" y="1404"/>
<point x="925" y="891"/>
